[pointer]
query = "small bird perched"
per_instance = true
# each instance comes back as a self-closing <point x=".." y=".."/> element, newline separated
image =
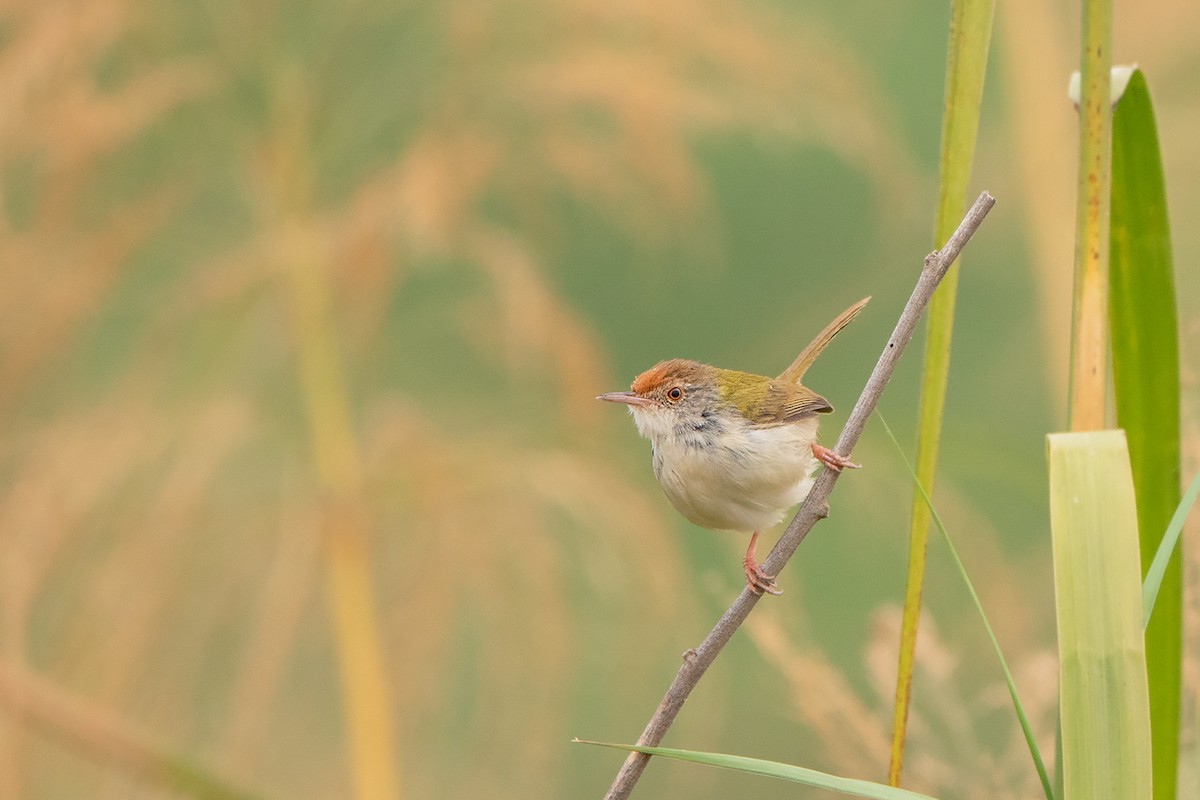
<point x="733" y="451"/>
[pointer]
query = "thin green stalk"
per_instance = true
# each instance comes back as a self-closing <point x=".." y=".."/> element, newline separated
<point x="1022" y="718"/>
<point x="1158" y="567"/>
<point x="966" y="62"/>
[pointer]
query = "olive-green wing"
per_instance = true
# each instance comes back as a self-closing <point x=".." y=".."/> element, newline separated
<point x="770" y="401"/>
<point x="789" y="402"/>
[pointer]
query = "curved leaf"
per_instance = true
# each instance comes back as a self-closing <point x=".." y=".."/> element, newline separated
<point x="1145" y="364"/>
<point x="774" y="769"/>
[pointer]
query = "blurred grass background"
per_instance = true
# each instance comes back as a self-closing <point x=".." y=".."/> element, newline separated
<point x="303" y="309"/>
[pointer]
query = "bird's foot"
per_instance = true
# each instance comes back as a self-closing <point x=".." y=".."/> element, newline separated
<point x="833" y="460"/>
<point x="758" y="581"/>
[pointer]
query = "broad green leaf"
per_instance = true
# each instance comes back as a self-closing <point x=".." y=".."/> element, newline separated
<point x="1104" y="710"/>
<point x="775" y="769"/>
<point x="966" y="66"/>
<point x="1145" y="363"/>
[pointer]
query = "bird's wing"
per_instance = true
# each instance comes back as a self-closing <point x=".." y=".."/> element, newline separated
<point x="791" y="402"/>
<point x="808" y="355"/>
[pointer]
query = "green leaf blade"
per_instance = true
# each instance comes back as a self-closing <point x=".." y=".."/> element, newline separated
<point x="1145" y="362"/>
<point x="774" y="769"/>
<point x="1103" y="698"/>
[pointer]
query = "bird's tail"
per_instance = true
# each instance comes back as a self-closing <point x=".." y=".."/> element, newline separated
<point x="809" y="354"/>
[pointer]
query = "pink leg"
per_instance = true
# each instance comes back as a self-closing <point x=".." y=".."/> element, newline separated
<point x="833" y="460"/>
<point x="758" y="580"/>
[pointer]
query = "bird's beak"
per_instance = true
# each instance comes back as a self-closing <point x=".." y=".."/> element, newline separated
<point x="628" y="398"/>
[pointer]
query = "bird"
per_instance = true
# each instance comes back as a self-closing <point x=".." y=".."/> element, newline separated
<point x="733" y="451"/>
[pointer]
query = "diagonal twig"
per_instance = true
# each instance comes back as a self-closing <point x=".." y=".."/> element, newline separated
<point x="816" y="506"/>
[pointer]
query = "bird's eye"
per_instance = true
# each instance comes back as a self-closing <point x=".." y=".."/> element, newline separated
<point x="674" y="393"/>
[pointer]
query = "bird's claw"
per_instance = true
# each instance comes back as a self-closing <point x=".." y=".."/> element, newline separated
<point x="758" y="581"/>
<point x="833" y="460"/>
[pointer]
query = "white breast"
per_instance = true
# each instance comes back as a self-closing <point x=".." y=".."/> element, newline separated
<point x="734" y="478"/>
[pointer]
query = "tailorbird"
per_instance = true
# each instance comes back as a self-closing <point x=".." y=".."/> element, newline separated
<point x="732" y="450"/>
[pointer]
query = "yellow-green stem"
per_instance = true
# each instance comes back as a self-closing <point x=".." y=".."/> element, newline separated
<point x="966" y="62"/>
<point x="344" y="524"/>
<point x="929" y="426"/>
<point x="344" y="528"/>
<point x="1090" y="309"/>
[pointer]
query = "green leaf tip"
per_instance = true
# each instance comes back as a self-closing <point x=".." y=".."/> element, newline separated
<point x="1170" y="538"/>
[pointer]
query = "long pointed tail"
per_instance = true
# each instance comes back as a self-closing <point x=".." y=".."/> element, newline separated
<point x="809" y="354"/>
